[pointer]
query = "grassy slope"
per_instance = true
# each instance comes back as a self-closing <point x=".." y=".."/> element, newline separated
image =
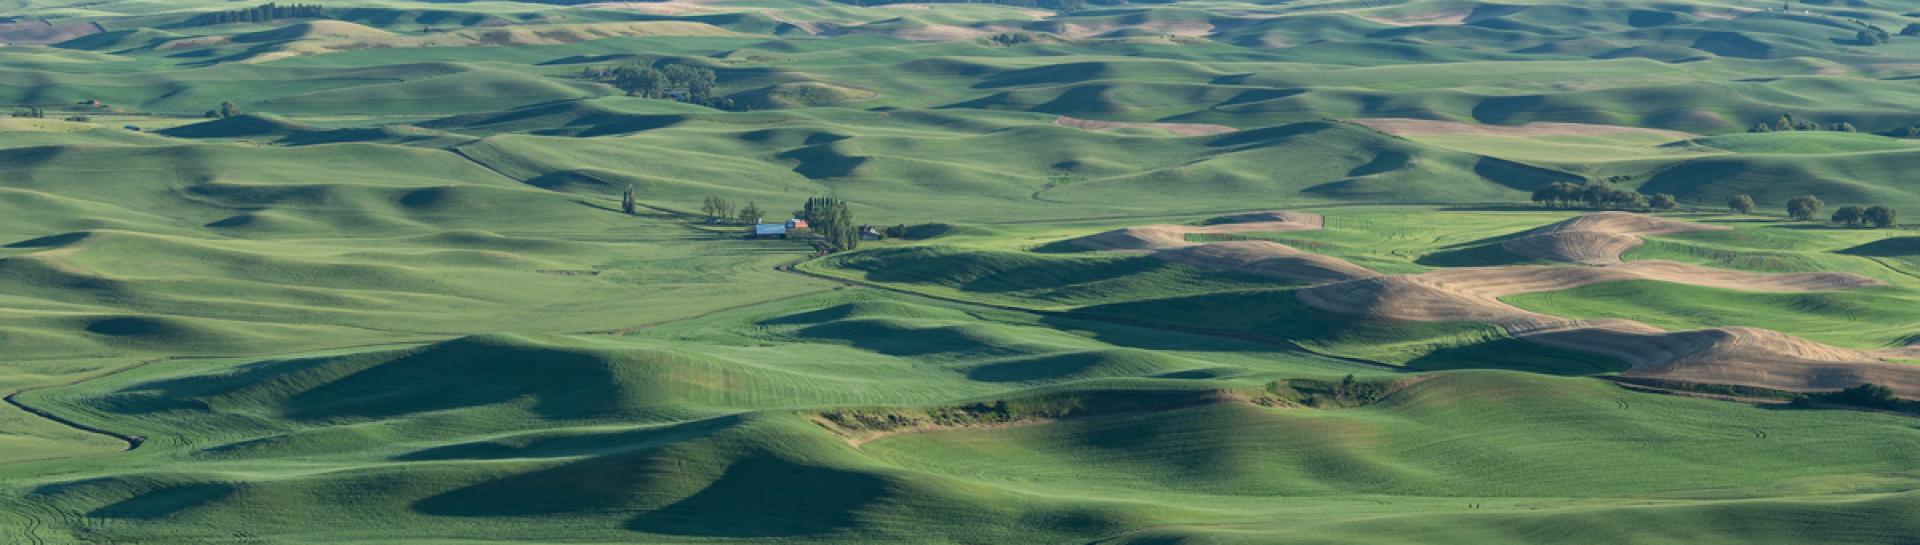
<point x="355" y="330"/>
<point x="512" y="450"/>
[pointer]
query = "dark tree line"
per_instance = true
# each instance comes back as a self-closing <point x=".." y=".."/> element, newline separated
<point x="262" y="13"/>
<point x="681" y="82"/>
<point x="1807" y="208"/>
<point x="1786" y="123"/>
<point x="1598" y="195"/>
<point x="1871" y="396"/>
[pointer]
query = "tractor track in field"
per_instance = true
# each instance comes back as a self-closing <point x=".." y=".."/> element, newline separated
<point x="31" y="530"/>
<point x="132" y="441"/>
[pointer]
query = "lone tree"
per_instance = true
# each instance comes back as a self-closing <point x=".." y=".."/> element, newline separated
<point x="626" y="202"/>
<point x="1662" y="201"/>
<point x="1850" y="215"/>
<point x="1741" y="203"/>
<point x="829" y="218"/>
<point x="229" y="109"/>
<point x="1881" y="216"/>
<point x="1804" y="207"/>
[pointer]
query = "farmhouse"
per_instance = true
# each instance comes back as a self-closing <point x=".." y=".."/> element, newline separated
<point x="776" y="230"/>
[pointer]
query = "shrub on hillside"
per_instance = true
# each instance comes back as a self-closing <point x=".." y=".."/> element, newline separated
<point x="227" y="109"/>
<point x="1741" y="203"/>
<point x="1881" y="216"/>
<point x="1850" y="215"/>
<point x="1804" y="207"/>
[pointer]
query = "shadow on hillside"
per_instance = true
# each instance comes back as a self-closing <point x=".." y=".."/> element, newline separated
<point x="763" y="496"/>
<point x="755" y="495"/>
<point x="562" y="446"/>
<point x="1887" y="247"/>
<point x="166" y="502"/>
<point x="455" y="374"/>
<point x="1517" y="355"/>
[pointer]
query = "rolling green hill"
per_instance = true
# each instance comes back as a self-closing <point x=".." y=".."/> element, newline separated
<point x="394" y="298"/>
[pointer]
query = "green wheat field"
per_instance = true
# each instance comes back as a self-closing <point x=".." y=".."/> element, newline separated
<point x="1159" y="272"/>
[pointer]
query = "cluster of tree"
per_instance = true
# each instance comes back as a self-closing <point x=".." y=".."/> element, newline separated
<point x="261" y="14"/>
<point x="751" y="214"/>
<point x="1854" y="215"/>
<point x="1870" y="34"/>
<point x="830" y="218"/>
<point x="227" y="109"/>
<point x="1807" y="207"/>
<point x="1912" y="29"/>
<point x="34" y="112"/>
<point x="1786" y="123"/>
<point x="79" y="119"/>
<point x="897" y="231"/>
<point x="718" y="209"/>
<point x="1599" y="195"/>
<point x="1869" y="395"/>
<point x="675" y="81"/>
<point x="1010" y="39"/>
